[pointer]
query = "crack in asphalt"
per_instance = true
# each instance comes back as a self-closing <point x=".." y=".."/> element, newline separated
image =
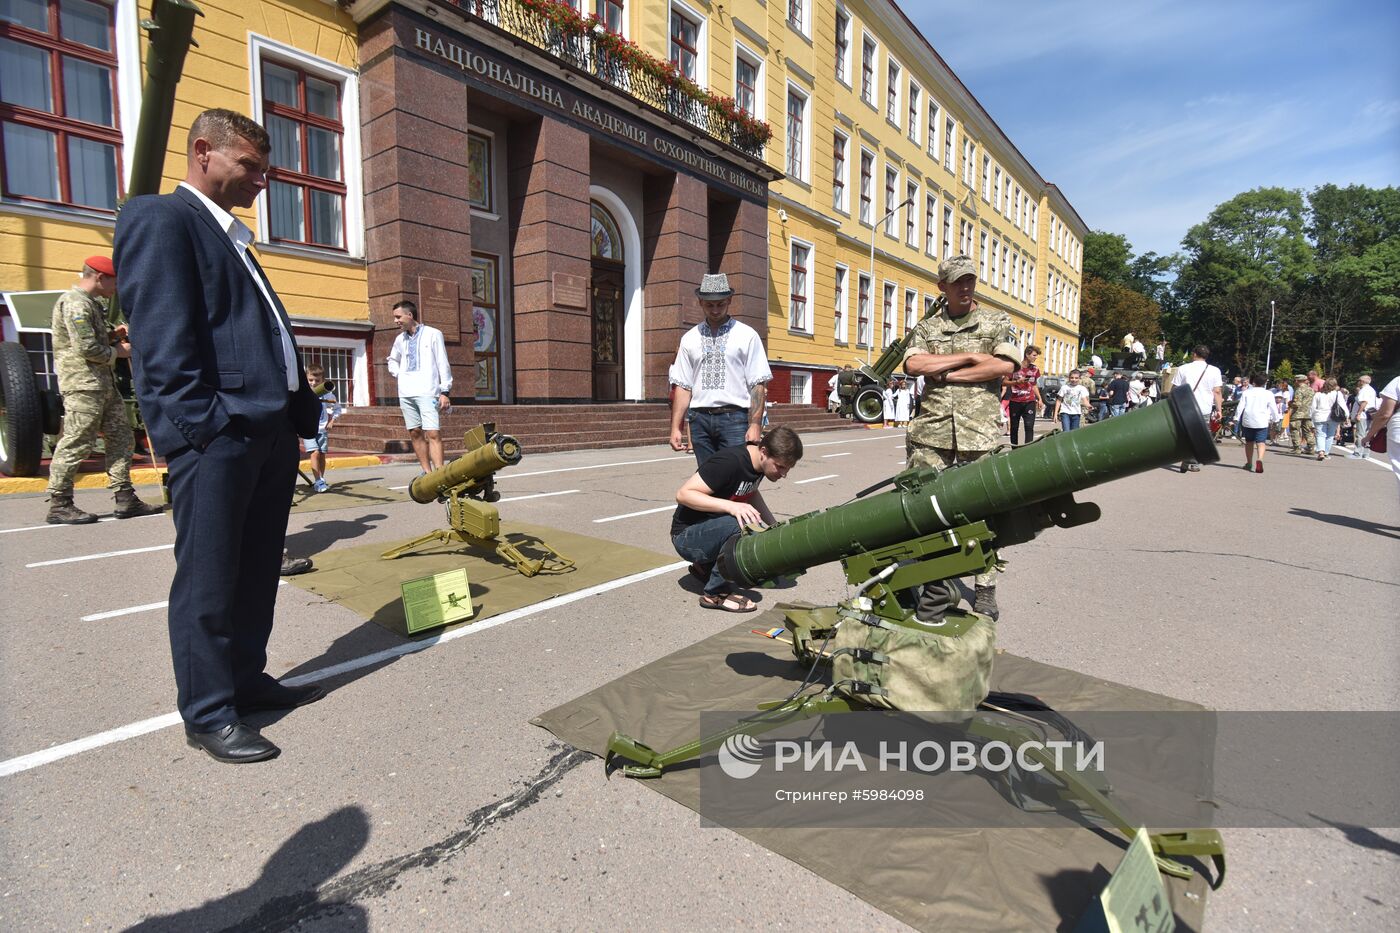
<point x="283" y="913"/>
<point x="1265" y="560"/>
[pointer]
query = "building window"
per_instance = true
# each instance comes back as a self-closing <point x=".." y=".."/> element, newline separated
<point x="891" y="186"/>
<point x="746" y="68"/>
<point x="965" y="238"/>
<point x="931" y="226"/>
<point x="839" y="144"/>
<point x="933" y="130"/>
<point x="911" y="304"/>
<point x="950" y="132"/>
<point x="867" y="70"/>
<point x="58" y="109"/>
<point x="914" y="107"/>
<point x="1005" y="261"/>
<point x="1035" y="221"/>
<point x="1032" y="285"/>
<point x="306" y="180"/>
<point x="929" y="302"/>
<point x="796" y="140"/>
<point x="982" y="256"/>
<point x="486" y="309"/>
<point x="338" y="363"/>
<point x="996" y="252"/>
<point x="911" y="212"/>
<point x="799" y="388"/>
<point x="1024" y="280"/>
<point x="685" y="43"/>
<point x="839" y="322"/>
<point x="867" y="171"/>
<point x="799" y="292"/>
<point x="1017" y="216"/>
<point x="892" y="93"/>
<point x="967" y="161"/>
<point x="887" y="319"/>
<point x="611" y="14"/>
<point x="480" y="173"/>
<point x="947" y="232"/>
<point x="797" y="15"/>
<point x="986" y="177"/>
<point x="606" y="240"/>
<point x="997" y="189"/>
<point x="863" y="310"/>
<point x="843" y="47"/>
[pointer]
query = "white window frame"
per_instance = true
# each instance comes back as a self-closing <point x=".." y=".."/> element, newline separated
<point x="861" y="201"/>
<point x="841" y="327"/>
<point x="845" y="173"/>
<point x="351" y="156"/>
<point x="935" y="120"/>
<point x="997" y="188"/>
<point x="742" y="51"/>
<point x="950" y="144"/>
<point x="805" y="326"/>
<point x="911" y="308"/>
<point x="996" y="256"/>
<point x="986" y="177"/>
<point x="931" y="224"/>
<point x="865" y="339"/>
<point x="891" y="192"/>
<point x="982" y="256"/>
<point x="1035" y="222"/>
<point x="914" y="104"/>
<point x="947" y="230"/>
<point x="867" y="40"/>
<point x="702" y="38"/>
<point x="889" y="320"/>
<point x="846" y="60"/>
<point x="912" y="190"/>
<point x="806" y="154"/>
<point x="897" y="90"/>
<point x="804" y="26"/>
<point x="805" y="396"/>
<point x="358" y="359"/>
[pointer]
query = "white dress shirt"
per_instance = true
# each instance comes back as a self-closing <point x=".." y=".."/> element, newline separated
<point x="241" y="237"/>
<point x="720" y="367"/>
<point x="1256" y="408"/>
<point x="419" y="362"/>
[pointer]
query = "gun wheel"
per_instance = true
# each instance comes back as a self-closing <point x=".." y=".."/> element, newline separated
<point x="869" y="405"/>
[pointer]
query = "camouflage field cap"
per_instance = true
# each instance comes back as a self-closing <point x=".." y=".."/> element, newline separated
<point x="950" y="270"/>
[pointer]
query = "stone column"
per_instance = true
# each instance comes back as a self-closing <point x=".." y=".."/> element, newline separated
<point x="739" y="247"/>
<point x="675" y="252"/>
<point x="417" y="217"/>
<point x="549" y="222"/>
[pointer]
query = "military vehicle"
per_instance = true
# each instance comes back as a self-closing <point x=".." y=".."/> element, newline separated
<point x="862" y="390"/>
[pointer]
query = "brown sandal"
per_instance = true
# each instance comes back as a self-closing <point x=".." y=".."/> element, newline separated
<point x="729" y="602"/>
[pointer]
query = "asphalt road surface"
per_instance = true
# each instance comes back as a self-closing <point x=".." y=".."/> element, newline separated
<point x="417" y="796"/>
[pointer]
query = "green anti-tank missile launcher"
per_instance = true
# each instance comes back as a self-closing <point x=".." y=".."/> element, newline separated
<point x="937" y="526"/>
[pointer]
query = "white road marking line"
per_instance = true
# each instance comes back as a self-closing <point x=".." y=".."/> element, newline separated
<point x="398" y="487"/>
<point x="1379" y="463"/>
<point x="541" y="495"/>
<point x="613" y="518"/>
<point x="844" y="453"/>
<point x="109" y="518"/>
<point x="132" y="610"/>
<point x="856" y="440"/>
<point x="74" y="560"/>
<point x="815" y="478"/>
<point x="38" y="759"/>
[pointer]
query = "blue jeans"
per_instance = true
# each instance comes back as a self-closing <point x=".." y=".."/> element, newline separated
<point x="1326" y="434"/>
<point x="1069" y="422"/>
<point x="701" y="544"/>
<point x="712" y="431"/>
<point x="1115" y="410"/>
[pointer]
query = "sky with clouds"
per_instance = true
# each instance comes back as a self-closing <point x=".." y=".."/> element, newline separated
<point x="1149" y="113"/>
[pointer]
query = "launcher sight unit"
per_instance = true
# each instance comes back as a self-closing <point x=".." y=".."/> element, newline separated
<point x="468" y="486"/>
<point x="936" y="526"/>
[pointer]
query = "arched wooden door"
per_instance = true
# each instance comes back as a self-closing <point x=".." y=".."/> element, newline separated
<point x="607" y="306"/>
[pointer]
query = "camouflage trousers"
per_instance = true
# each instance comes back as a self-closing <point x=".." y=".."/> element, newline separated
<point x="86" y="415"/>
<point x="940" y="459"/>
<point x="1303" y="432"/>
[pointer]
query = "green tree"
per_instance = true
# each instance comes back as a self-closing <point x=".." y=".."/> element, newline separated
<point x="1107" y="256"/>
<point x="1117" y="309"/>
<point x="1250" y="251"/>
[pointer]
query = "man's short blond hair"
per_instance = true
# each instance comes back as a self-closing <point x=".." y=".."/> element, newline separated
<point x="224" y="128"/>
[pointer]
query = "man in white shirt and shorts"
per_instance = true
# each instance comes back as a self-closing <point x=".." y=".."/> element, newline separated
<point x="418" y="360"/>
<point x="1204" y="381"/>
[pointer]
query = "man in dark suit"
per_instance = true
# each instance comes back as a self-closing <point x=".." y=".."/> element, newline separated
<point x="221" y="386"/>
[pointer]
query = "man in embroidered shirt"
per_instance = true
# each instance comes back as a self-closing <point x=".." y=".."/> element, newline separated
<point x="720" y="377"/>
<point x="418" y="360"/>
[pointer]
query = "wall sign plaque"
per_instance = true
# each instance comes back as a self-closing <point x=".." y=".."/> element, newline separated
<point x="570" y="291"/>
<point x="438" y="306"/>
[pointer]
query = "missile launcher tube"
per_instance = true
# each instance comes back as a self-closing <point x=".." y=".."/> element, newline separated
<point x="924" y="502"/>
<point x="474" y="466"/>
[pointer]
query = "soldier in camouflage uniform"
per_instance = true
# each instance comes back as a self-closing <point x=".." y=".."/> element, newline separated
<point x="83" y="358"/>
<point x="962" y="352"/>
<point x="1300" y="423"/>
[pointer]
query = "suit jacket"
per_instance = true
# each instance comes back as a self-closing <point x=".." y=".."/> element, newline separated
<point x="203" y="348"/>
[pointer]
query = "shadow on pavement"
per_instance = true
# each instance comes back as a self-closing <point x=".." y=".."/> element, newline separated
<point x="319" y="536"/>
<point x="1348" y="521"/>
<point x="287" y="890"/>
<point x="1362" y="836"/>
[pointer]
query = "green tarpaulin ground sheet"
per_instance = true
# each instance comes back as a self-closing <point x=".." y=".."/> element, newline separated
<point x="946" y="879"/>
<point x="344" y="495"/>
<point x="358" y="579"/>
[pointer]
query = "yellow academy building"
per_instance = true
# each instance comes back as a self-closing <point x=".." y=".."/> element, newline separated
<point x="70" y="97"/>
<point x="545" y="185"/>
<point x="879" y="141"/>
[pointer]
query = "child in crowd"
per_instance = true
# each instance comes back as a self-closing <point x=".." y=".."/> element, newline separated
<point x="1070" y="405"/>
<point x="330" y="410"/>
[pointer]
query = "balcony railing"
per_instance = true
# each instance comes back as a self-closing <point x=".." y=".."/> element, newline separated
<point x="585" y="43"/>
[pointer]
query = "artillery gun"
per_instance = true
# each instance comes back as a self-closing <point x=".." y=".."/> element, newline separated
<point x="936" y="526"/>
<point x="861" y="390"/>
<point x="468" y="486"/>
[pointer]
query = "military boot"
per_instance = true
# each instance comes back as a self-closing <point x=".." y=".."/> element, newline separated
<point x="62" y="511"/>
<point x="129" y="505"/>
<point x="985" y="602"/>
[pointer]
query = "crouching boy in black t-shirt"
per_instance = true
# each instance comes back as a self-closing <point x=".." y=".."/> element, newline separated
<point x="721" y="498"/>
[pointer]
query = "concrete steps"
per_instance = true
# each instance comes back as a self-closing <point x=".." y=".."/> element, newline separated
<point x="548" y="428"/>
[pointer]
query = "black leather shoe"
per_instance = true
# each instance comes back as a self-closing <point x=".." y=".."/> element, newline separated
<point x="280" y="696"/>
<point x="291" y="566"/>
<point x="234" y="744"/>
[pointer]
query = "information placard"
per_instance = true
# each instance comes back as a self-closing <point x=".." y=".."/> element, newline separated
<point x="432" y="602"/>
